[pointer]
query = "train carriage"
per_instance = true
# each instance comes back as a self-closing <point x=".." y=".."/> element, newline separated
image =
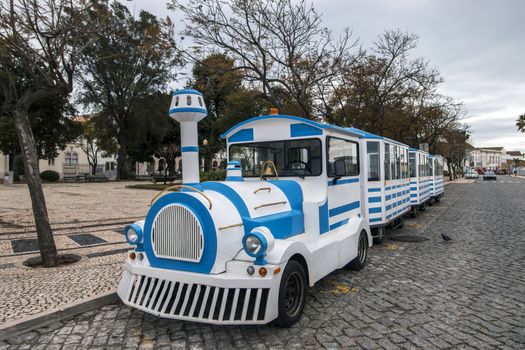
<point x="244" y="250"/>
<point x="437" y="189"/>
<point x="387" y="183"/>
<point x="420" y="179"/>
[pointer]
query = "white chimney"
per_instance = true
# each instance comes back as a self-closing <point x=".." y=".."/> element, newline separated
<point x="188" y="108"/>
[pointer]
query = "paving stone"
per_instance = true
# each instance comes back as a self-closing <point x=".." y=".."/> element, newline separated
<point x="464" y="294"/>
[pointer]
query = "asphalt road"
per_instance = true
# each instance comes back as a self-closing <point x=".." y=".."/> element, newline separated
<point x="467" y="293"/>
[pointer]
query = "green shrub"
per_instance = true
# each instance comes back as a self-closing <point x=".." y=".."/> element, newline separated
<point x="213" y="175"/>
<point x="49" y="176"/>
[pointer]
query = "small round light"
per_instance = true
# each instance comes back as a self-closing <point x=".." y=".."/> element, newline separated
<point x="132" y="235"/>
<point x="250" y="270"/>
<point x="132" y="255"/>
<point x="253" y="243"/>
<point x="263" y="271"/>
<point x="141" y="256"/>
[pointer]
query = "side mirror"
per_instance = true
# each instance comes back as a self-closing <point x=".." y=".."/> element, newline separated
<point x="339" y="168"/>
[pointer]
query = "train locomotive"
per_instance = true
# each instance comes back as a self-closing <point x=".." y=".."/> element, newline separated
<point x="294" y="207"/>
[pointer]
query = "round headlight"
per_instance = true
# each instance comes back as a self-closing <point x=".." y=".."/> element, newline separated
<point x="253" y="244"/>
<point x="133" y="233"/>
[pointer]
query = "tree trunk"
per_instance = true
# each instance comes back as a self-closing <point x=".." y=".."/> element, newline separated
<point x="48" y="250"/>
<point x="122" y="163"/>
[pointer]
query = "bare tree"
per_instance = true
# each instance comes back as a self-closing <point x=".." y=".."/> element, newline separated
<point x="39" y="40"/>
<point x="280" y="45"/>
<point x="89" y="142"/>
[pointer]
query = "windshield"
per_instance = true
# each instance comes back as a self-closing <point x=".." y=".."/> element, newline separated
<point x="291" y="157"/>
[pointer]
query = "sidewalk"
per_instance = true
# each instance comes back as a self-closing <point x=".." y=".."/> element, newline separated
<point x="87" y="220"/>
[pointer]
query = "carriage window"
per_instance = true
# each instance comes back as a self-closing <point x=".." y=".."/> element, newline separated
<point x="392" y="162"/>
<point x="387" y="162"/>
<point x="398" y="163"/>
<point x="412" y="161"/>
<point x="374" y="171"/>
<point x="291" y="158"/>
<point x="343" y="149"/>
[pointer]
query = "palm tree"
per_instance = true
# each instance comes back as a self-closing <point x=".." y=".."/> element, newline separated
<point x="520" y="123"/>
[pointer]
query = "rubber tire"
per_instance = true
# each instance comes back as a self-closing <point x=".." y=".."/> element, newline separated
<point x="438" y="199"/>
<point x="413" y="214"/>
<point x="284" y="320"/>
<point x="379" y="239"/>
<point x="358" y="264"/>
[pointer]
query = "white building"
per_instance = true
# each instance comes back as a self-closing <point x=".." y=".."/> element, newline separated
<point x="487" y="157"/>
<point x="73" y="162"/>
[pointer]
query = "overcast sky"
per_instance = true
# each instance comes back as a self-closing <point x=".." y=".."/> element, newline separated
<point x="477" y="45"/>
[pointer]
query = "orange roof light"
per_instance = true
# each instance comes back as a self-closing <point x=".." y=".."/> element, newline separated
<point x="274" y="110"/>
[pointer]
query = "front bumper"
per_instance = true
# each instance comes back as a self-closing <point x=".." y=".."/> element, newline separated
<point x="227" y="298"/>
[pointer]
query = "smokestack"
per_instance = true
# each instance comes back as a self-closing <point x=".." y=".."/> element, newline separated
<point x="188" y="108"/>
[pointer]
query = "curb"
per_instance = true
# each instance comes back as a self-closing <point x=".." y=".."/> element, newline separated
<point x="13" y="328"/>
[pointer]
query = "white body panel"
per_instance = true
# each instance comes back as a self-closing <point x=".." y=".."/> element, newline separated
<point x="421" y="183"/>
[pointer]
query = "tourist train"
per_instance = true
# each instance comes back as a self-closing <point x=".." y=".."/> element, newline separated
<point x="300" y="200"/>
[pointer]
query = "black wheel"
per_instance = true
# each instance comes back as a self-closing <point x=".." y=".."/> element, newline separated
<point x="430" y="202"/>
<point x="292" y="294"/>
<point x="438" y="198"/>
<point x="362" y="252"/>
<point x="413" y="212"/>
<point x="380" y="235"/>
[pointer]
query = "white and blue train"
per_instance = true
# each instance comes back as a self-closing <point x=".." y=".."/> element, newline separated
<point x="298" y="202"/>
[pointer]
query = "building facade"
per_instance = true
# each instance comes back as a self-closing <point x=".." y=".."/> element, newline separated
<point x="488" y="158"/>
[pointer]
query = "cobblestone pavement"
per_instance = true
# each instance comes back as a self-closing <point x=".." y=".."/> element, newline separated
<point x="467" y="293"/>
<point x="96" y="209"/>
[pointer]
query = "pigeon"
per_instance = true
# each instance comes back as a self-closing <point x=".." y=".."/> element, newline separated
<point x="445" y="237"/>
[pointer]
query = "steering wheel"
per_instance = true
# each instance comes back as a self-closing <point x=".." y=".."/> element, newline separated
<point x="306" y="166"/>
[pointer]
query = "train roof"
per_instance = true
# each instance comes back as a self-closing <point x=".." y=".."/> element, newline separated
<point x="323" y="126"/>
<point x="315" y="124"/>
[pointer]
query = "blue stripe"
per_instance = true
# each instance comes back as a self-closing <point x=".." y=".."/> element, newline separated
<point x="186" y="92"/>
<point x="374" y="219"/>
<point x="189" y="149"/>
<point x="343" y="208"/>
<point x="338" y="224"/>
<point x="374" y="210"/>
<point x="188" y="109"/>
<point x="374" y="199"/>
<point x="244" y="135"/>
<point x="374" y="190"/>
<point x="302" y="129"/>
<point x="235" y="178"/>
<point x="323" y="218"/>
<point x="342" y="182"/>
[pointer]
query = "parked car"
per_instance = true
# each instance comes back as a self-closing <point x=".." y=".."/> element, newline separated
<point x="489" y="175"/>
<point x="471" y="174"/>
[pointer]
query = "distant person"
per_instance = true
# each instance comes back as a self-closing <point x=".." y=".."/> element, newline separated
<point x="515" y="172"/>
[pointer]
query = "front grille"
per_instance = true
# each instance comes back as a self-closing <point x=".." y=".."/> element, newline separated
<point x="193" y="301"/>
<point x="177" y="234"/>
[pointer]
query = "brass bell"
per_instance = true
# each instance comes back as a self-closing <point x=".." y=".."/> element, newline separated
<point x="268" y="171"/>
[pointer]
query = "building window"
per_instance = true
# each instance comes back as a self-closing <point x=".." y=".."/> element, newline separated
<point x="387" y="162"/>
<point x="51" y="161"/>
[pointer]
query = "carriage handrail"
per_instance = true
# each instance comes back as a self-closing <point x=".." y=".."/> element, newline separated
<point x="180" y="186"/>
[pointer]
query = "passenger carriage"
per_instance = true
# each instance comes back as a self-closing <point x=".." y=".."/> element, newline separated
<point x="437" y="189"/>
<point x="420" y="179"/>
<point x="387" y="182"/>
<point x="243" y="251"/>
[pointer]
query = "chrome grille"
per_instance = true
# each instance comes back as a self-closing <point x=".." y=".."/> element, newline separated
<point x="194" y="301"/>
<point x="177" y="234"/>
